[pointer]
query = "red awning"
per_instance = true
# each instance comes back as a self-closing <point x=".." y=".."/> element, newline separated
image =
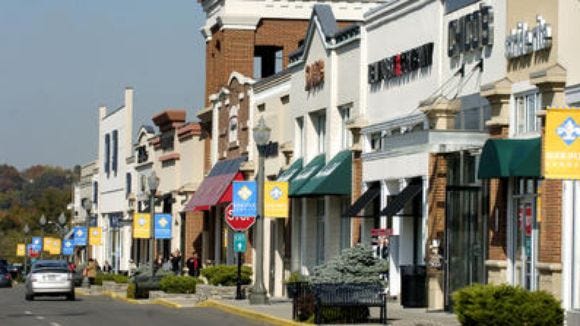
<point x="216" y="188"/>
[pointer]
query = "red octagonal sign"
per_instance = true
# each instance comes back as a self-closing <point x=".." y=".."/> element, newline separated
<point x="238" y="223"/>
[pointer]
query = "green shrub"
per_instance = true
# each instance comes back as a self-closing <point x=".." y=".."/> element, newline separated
<point x="178" y="284"/>
<point x="295" y="277"/>
<point x="120" y="278"/>
<point x="117" y="278"/>
<point x="226" y="275"/>
<point x="506" y="305"/>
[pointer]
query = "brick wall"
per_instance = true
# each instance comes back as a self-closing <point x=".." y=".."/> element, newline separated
<point x="356" y="193"/>
<point x="224" y="146"/>
<point x="437" y="175"/>
<point x="193" y="233"/>
<point x="497" y="235"/>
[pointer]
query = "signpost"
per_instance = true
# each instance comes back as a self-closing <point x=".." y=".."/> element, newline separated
<point x="239" y="224"/>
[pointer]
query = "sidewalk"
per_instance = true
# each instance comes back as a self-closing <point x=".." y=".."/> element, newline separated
<point x="279" y="311"/>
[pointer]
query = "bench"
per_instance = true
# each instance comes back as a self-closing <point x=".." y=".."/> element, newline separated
<point x="351" y="295"/>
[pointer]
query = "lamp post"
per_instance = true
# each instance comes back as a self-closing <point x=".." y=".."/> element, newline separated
<point x="26" y="230"/>
<point x="153" y="183"/>
<point x="261" y="134"/>
<point x="87" y="205"/>
<point x="42" y="221"/>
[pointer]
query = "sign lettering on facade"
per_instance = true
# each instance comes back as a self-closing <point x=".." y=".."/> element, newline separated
<point x="523" y="41"/>
<point x="471" y="32"/>
<point x="562" y="147"/>
<point x="314" y="75"/>
<point x="401" y="64"/>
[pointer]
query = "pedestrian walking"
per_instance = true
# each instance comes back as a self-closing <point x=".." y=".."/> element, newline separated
<point x="175" y="259"/>
<point x="193" y="265"/>
<point x="106" y="267"/>
<point x="91" y="271"/>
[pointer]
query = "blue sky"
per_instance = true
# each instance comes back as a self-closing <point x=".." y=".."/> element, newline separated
<point x="61" y="59"/>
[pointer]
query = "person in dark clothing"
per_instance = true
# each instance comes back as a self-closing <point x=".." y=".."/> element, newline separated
<point x="175" y="260"/>
<point x="193" y="265"/>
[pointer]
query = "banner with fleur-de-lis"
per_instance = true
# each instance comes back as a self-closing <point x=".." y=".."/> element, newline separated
<point x="276" y="199"/>
<point x="142" y="226"/>
<point x="95" y="236"/>
<point x="562" y="144"/>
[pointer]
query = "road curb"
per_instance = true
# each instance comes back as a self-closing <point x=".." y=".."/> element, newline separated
<point x="247" y="313"/>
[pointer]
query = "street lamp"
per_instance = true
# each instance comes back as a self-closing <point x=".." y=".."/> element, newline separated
<point x="87" y="205"/>
<point x="26" y="230"/>
<point x="261" y="134"/>
<point x="153" y="182"/>
<point x="42" y="221"/>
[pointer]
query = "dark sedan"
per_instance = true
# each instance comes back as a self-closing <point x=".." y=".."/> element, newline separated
<point x="5" y="277"/>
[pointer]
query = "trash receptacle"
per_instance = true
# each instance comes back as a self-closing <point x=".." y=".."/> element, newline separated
<point x="413" y="286"/>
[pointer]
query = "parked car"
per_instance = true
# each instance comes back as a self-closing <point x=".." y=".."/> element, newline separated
<point x="50" y="278"/>
<point x="15" y="270"/>
<point x="5" y="277"/>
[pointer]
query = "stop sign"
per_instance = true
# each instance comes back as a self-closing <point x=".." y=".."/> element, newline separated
<point x="238" y="223"/>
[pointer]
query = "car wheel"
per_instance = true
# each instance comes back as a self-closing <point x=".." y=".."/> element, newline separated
<point x="70" y="296"/>
<point x="29" y="297"/>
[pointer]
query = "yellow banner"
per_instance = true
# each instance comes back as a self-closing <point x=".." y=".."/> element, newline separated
<point x="562" y="144"/>
<point x="95" y="236"/>
<point x="20" y="250"/>
<point x="142" y="226"/>
<point x="52" y="245"/>
<point x="276" y="199"/>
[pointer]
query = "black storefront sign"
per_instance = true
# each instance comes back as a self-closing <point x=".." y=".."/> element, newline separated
<point x="471" y="32"/>
<point x="401" y="64"/>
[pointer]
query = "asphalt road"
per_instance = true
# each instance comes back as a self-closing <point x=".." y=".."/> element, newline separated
<point x="103" y="311"/>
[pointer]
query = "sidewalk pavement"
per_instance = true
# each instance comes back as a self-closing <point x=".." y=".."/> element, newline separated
<point x="279" y="311"/>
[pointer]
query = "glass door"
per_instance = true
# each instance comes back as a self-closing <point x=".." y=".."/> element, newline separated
<point x="464" y="240"/>
<point x="525" y="238"/>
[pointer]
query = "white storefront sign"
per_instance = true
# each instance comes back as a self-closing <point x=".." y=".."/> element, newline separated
<point x="523" y="41"/>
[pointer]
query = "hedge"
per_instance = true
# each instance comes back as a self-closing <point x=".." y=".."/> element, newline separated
<point x="226" y="275"/>
<point x="117" y="278"/>
<point x="506" y="305"/>
<point x="178" y="284"/>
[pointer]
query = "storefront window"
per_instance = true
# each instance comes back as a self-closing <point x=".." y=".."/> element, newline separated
<point x="576" y="265"/>
<point x="527" y="105"/>
<point x="319" y="231"/>
<point x="525" y="233"/>
<point x="300" y="136"/>
<point x="345" y="141"/>
<point x="344" y="225"/>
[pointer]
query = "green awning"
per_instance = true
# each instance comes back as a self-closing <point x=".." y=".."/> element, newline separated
<point x="503" y="158"/>
<point x="291" y="172"/>
<point x="333" y="179"/>
<point x="307" y="172"/>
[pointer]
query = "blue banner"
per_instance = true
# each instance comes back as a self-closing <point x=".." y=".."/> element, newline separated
<point x="80" y="236"/>
<point x="36" y="244"/>
<point x="244" y="195"/>
<point x="162" y="226"/>
<point x="67" y="247"/>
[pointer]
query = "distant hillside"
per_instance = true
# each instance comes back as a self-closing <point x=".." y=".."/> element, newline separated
<point x="25" y="196"/>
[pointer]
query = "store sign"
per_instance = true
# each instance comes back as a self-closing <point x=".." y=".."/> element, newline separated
<point x="401" y="64"/>
<point x="471" y="32"/>
<point x="314" y="75"/>
<point x="562" y="144"/>
<point x="523" y="41"/>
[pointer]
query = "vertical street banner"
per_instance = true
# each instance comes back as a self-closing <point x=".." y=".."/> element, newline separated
<point x="244" y="196"/>
<point x="162" y="226"/>
<point x="20" y="250"/>
<point x="80" y="236"/>
<point x="95" y="236"/>
<point x="562" y="147"/>
<point x="36" y="244"/>
<point x="142" y="226"/>
<point x="276" y="199"/>
<point x="67" y="247"/>
<point x="52" y="245"/>
<point x="31" y="251"/>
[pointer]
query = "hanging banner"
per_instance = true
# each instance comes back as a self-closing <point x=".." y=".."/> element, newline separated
<point x="162" y="226"/>
<point x="96" y="236"/>
<point x="20" y="250"/>
<point x="31" y="251"/>
<point x="276" y="199"/>
<point x="36" y="244"/>
<point x="142" y="226"/>
<point x="244" y="196"/>
<point x="80" y="236"/>
<point x="52" y="245"/>
<point x="67" y="247"/>
<point x="562" y="147"/>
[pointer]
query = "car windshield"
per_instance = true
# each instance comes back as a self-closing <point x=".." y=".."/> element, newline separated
<point x="50" y="266"/>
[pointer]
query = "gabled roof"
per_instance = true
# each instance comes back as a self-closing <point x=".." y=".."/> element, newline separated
<point x="323" y="19"/>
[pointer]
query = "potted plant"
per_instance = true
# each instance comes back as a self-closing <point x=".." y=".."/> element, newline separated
<point x="293" y="283"/>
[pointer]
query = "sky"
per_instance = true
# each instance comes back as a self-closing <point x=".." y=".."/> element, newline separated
<point x="61" y="59"/>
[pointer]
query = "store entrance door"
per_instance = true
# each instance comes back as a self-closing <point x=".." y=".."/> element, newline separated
<point x="525" y="235"/>
<point x="465" y="240"/>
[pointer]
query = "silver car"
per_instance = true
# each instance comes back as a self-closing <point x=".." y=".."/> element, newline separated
<point x="50" y="278"/>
